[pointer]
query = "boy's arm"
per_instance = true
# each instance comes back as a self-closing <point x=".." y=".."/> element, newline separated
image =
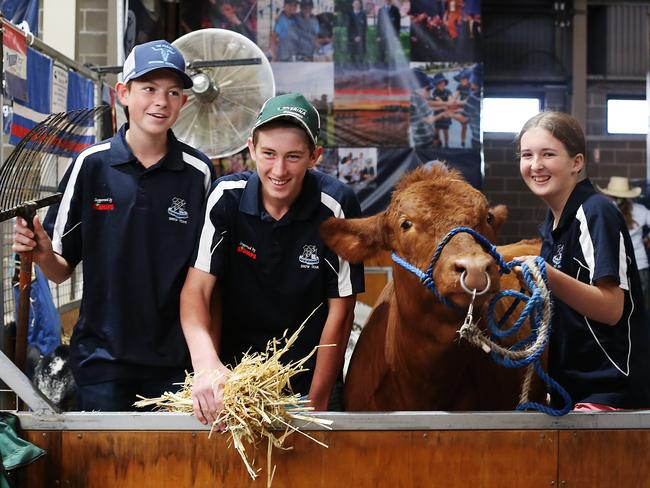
<point x="329" y="360"/>
<point x="196" y="321"/>
<point x="54" y="267"/>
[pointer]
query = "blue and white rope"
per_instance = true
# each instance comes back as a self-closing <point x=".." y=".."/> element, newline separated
<point x="538" y="308"/>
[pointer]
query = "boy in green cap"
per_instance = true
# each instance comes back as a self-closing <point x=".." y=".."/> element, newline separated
<point x="261" y="243"/>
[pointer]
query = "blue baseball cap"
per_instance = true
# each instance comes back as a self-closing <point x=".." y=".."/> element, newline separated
<point x="153" y="55"/>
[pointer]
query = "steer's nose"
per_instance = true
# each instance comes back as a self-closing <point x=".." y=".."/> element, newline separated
<point x="476" y="269"/>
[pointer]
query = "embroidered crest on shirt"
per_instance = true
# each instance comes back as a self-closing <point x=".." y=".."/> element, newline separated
<point x="103" y="204"/>
<point x="309" y="257"/>
<point x="558" y="250"/>
<point x="177" y="212"/>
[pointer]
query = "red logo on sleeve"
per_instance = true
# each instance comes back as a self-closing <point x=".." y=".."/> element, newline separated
<point x="246" y="250"/>
<point x="103" y="204"/>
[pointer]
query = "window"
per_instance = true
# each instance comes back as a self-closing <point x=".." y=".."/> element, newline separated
<point x="508" y="114"/>
<point x="627" y="116"/>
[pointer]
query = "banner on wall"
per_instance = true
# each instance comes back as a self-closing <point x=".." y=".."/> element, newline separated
<point x="397" y="83"/>
<point x="23" y="13"/>
<point x="14" y="58"/>
<point x="38" y="104"/>
<point x="49" y="87"/>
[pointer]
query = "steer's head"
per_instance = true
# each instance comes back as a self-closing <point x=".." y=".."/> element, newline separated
<point x="425" y="206"/>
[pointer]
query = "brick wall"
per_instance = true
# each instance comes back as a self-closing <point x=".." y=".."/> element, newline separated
<point x="92" y="38"/>
<point x="607" y="155"/>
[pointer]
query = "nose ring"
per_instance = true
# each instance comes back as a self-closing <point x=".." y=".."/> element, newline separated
<point x="471" y="292"/>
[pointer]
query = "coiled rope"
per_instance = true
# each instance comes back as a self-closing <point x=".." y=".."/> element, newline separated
<point x="538" y="308"/>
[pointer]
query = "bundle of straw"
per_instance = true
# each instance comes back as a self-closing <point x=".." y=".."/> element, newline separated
<point x="257" y="400"/>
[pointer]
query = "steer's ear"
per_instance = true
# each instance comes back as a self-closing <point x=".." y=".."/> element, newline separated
<point x="499" y="216"/>
<point x="355" y="240"/>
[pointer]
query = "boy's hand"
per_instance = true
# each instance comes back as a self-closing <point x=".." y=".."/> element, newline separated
<point x="207" y="393"/>
<point x="25" y="240"/>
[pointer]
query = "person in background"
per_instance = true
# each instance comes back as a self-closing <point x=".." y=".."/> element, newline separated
<point x="284" y="39"/>
<point x="441" y="97"/>
<point x="600" y="341"/>
<point x="261" y="245"/>
<point x="387" y="34"/>
<point x="421" y="132"/>
<point x="636" y="218"/>
<point x="131" y="211"/>
<point x="462" y="93"/>
<point x="308" y="30"/>
<point x="471" y="113"/>
<point x="357" y="28"/>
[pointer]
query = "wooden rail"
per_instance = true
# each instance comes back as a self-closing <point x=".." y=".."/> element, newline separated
<point x="448" y="450"/>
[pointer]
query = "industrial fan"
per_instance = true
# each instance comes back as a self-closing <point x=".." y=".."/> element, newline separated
<point x="232" y="80"/>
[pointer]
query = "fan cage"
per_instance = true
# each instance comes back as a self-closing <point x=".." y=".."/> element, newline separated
<point x="66" y="295"/>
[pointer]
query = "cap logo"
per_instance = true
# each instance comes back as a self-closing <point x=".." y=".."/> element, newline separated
<point x="164" y="50"/>
<point x="298" y="110"/>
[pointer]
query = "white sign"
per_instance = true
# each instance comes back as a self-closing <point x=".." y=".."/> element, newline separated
<point x="59" y="89"/>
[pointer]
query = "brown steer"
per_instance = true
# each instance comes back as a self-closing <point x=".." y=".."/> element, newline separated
<point x="409" y="356"/>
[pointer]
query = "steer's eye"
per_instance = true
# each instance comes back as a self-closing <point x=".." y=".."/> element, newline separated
<point x="406" y="224"/>
<point x="490" y="218"/>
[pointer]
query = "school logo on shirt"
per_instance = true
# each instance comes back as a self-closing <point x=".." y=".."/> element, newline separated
<point x="103" y="204"/>
<point x="558" y="250"/>
<point x="309" y="257"/>
<point x="177" y="212"/>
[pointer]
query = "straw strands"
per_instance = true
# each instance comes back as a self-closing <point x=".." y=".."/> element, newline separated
<point x="258" y="402"/>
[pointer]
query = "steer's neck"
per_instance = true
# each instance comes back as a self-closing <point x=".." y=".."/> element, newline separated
<point x="420" y="330"/>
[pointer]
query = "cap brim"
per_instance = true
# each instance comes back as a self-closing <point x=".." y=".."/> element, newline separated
<point x="286" y="116"/>
<point x="187" y="81"/>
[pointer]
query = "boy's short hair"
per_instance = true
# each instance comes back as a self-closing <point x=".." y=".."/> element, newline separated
<point x="294" y="109"/>
<point x="153" y="55"/>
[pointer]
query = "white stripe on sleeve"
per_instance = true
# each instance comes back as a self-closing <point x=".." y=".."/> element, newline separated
<point x="344" y="277"/>
<point x="64" y="206"/>
<point x="201" y="166"/>
<point x="586" y="243"/>
<point x="203" y="258"/>
<point x="622" y="263"/>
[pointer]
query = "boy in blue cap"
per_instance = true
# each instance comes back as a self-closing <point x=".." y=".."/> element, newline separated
<point x="261" y="243"/>
<point x="131" y="209"/>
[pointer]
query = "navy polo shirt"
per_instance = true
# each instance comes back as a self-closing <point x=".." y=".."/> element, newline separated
<point x="275" y="273"/>
<point x="595" y="362"/>
<point x="135" y="229"/>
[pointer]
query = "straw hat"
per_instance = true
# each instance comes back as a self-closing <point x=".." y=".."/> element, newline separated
<point x="619" y="187"/>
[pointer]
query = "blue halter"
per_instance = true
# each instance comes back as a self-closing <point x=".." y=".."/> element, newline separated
<point x="534" y="309"/>
<point x="426" y="277"/>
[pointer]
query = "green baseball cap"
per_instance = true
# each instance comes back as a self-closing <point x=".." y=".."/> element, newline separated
<point x="293" y="106"/>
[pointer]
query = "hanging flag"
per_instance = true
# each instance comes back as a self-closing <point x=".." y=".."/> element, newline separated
<point x="36" y="107"/>
<point x="109" y="124"/>
<point x="23" y="13"/>
<point x="79" y="94"/>
<point x="15" y="62"/>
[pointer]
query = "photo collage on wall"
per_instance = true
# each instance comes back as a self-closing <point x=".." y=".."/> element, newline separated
<point x="397" y="83"/>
